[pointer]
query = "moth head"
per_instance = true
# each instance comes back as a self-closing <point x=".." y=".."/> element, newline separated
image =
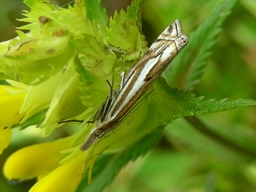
<point x="91" y="139"/>
<point x="180" y="38"/>
<point x="98" y="132"/>
<point x="181" y="41"/>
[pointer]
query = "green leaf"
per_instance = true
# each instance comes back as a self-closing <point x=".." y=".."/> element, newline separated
<point x="94" y="57"/>
<point x="112" y="164"/>
<point x="58" y="17"/>
<point x="36" y="60"/>
<point x="172" y="104"/>
<point x="96" y="13"/>
<point x="187" y="69"/>
<point x="94" y="89"/>
<point x="124" y="32"/>
<point x="165" y="106"/>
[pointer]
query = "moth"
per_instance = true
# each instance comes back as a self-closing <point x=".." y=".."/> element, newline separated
<point x="137" y="81"/>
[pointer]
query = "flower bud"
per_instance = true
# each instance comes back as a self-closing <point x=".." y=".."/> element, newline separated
<point x="35" y="160"/>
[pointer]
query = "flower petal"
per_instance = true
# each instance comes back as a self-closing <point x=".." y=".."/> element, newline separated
<point x="5" y="137"/>
<point x="10" y="104"/>
<point x="64" y="178"/>
<point x="35" y="160"/>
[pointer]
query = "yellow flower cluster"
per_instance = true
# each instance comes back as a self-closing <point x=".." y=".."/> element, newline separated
<point x="43" y="161"/>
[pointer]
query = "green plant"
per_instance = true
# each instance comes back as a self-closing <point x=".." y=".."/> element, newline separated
<point x="58" y="71"/>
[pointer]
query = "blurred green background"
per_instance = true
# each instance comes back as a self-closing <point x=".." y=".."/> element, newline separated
<point x="185" y="160"/>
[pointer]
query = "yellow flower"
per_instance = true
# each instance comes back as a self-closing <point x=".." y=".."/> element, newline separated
<point x="5" y="137"/>
<point x="43" y="161"/>
<point x="11" y="100"/>
<point x="38" y="160"/>
<point x="65" y="178"/>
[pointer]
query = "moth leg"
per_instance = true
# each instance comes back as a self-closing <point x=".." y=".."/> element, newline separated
<point x="71" y="120"/>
